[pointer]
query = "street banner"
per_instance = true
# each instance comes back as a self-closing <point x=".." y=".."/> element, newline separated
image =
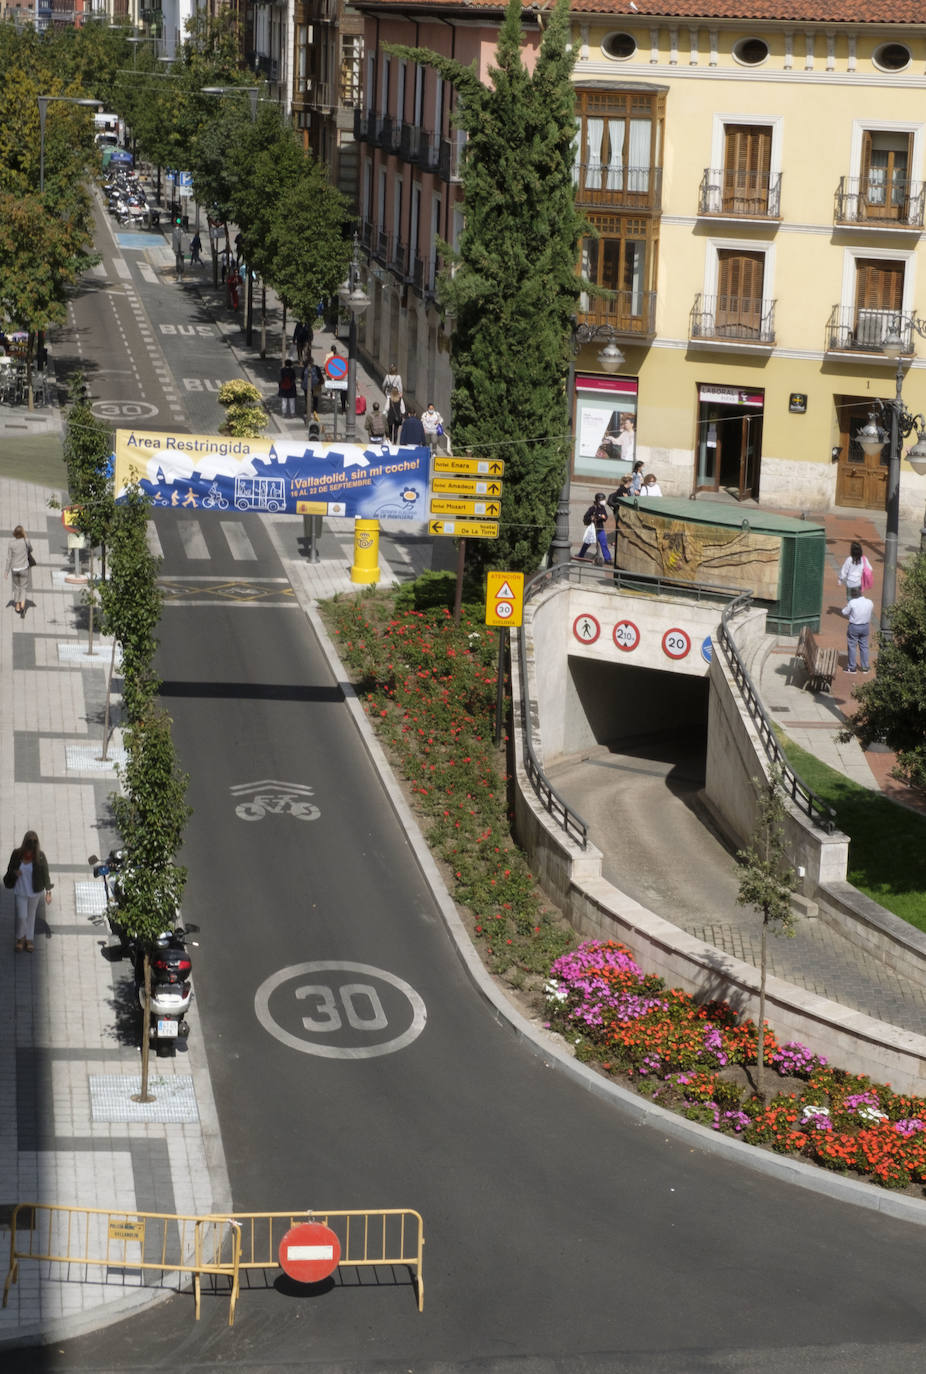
<point x="291" y="476"/>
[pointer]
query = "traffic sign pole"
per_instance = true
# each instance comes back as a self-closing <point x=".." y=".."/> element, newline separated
<point x="500" y="686"/>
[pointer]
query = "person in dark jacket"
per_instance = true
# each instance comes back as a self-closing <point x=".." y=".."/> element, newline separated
<point x="594" y="520"/>
<point x="412" y="432"/>
<point x="375" y="423"/>
<point x="287" y="387"/>
<point x="395" y="414"/>
<point x="27" y="876"/>
<point x="302" y="339"/>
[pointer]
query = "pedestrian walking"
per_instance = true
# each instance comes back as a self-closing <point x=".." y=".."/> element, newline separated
<point x="412" y="431"/>
<point x="595" y="519"/>
<point x="375" y="423"/>
<point x="856" y="574"/>
<point x="636" y="478"/>
<point x="392" y="382"/>
<point x="287" y="388"/>
<point x="858" y="610"/>
<point x="27" y="877"/>
<point x="232" y="284"/>
<point x="395" y="415"/>
<point x="433" y="423"/>
<point x="196" y="245"/>
<point x="302" y="340"/>
<point x="317" y="381"/>
<point x="225" y="262"/>
<point x="19" y="563"/>
<point x="650" y="486"/>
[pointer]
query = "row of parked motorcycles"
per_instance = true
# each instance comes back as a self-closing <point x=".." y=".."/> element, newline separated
<point x="169" y="960"/>
<point x="126" y="199"/>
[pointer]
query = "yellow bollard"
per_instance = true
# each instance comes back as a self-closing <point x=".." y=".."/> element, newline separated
<point x="366" y="551"/>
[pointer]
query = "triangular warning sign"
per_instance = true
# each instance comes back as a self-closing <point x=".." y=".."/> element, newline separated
<point x="505" y="592"/>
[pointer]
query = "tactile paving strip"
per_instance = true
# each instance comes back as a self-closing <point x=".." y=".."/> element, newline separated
<point x="111" y="1099"/>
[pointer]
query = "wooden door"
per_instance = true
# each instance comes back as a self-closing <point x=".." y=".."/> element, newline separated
<point x="740" y="278"/>
<point x="861" y="481"/>
<point x="885" y="172"/>
<point x="746" y="167"/>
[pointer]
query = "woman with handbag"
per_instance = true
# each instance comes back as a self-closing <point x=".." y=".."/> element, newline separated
<point x="27" y="876"/>
<point x="19" y="564"/>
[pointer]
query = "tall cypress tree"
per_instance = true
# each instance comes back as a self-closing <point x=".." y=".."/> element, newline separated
<point x="514" y="286"/>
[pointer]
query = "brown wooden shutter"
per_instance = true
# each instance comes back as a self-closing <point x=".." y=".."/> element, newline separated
<point x="747" y="163"/>
<point x="879" y="284"/>
<point x="740" y="279"/>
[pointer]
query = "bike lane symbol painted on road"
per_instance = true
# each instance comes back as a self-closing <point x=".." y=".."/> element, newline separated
<point x="271" y="798"/>
<point x="340" y="1010"/>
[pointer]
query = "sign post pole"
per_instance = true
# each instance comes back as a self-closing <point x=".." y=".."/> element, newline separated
<point x="500" y="686"/>
<point x="458" y="593"/>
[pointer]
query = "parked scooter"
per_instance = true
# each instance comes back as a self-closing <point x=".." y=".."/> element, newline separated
<point x="170" y="964"/>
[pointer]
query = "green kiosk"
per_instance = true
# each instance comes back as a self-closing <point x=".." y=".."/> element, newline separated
<point x="777" y="558"/>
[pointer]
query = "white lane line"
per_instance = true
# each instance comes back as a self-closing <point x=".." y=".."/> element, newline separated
<point x="122" y="268"/>
<point x="153" y="541"/>
<point x="147" y="274"/>
<point x="237" y="540"/>
<point x="193" y="539"/>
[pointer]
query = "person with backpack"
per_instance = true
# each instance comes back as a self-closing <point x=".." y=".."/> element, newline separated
<point x="395" y="415"/>
<point x="287" y="388"/>
<point x="856" y="574"/>
<point x="375" y="423"/>
<point x="594" y="520"/>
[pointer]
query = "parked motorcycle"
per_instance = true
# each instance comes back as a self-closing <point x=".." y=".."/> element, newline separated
<point x="170" y="963"/>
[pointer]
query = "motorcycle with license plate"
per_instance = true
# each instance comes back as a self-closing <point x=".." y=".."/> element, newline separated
<point x="169" y="959"/>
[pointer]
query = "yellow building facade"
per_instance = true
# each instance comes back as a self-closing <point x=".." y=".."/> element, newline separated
<point x="757" y="187"/>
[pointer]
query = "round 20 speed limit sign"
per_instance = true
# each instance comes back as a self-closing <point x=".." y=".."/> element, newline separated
<point x="676" y="643"/>
<point x="626" y="636"/>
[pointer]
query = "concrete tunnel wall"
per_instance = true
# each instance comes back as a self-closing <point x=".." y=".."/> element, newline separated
<point x="617" y="702"/>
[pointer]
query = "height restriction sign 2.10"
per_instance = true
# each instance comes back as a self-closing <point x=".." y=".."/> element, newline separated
<point x="504" y="598"/>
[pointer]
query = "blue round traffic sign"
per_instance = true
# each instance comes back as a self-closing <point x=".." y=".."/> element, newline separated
<point x="336" y="368"/>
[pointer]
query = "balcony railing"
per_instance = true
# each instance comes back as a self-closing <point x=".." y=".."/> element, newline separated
<point x="629" y="313"/>
<point x="398" y="257"/>
<point x="618" y="188"/>
<point x="732" y="319"/>
<point x="362" y="121"/>
<point x="382" y="246"/>
<point x="730" y="194"/>
<point x="410" y="142"/>
<point x="855" y="329"/>
<point x="883" y="204"/>
<point x="389" y="132"/>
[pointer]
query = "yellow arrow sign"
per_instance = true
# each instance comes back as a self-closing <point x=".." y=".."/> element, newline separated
<point x="491" y="509"/>
<point x="476" y="467"/>
<point x="464" y="529"/>
<point x="459" y="486"/>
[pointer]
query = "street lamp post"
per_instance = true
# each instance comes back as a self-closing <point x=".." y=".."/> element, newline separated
<point x="355" y="300"/>
<point x="610" y="360"/>
<point x="872" y="438"/>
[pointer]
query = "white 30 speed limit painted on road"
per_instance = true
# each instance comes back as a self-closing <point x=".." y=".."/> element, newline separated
<point x="332" y="1005"/>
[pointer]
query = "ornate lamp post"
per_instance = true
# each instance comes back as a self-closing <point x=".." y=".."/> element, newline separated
<point x="872" y="438"/>
<point x="355" y="300"/>
<point x="610" y="360"/>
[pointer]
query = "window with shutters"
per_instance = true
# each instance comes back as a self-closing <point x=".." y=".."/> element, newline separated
<point x="746" y="169"/>
<point x="884" y="187"/>
<point x="878" y="299"/>
<point x="621" y="259"/>
<point x="740" y="281"/>
<point x="885" y="172"/>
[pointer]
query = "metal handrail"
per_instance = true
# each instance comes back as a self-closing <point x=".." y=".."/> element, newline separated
<point x="803" y="797"/>
<point x="567" y="818"/>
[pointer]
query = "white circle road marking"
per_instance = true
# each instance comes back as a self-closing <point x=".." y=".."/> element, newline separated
<point x="296" y="1042"/>
<point x="123" y="410"/>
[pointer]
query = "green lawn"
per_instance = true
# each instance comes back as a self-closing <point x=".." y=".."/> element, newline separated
<point x="34" y="458"/>
<point x="887" y="853"/>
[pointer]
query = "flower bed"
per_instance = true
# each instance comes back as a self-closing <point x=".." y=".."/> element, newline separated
<point x="680" y="1053"/>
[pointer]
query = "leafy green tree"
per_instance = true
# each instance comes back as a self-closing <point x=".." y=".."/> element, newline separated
<point x="131" y="600"/>
<point x="150" y="815"/>
<point x="766" y="883"/>
<point x="514" y="286"/>
<point x="892" y="705"/>
<point x="88" y="444"/>
<point x="245" y="416"/>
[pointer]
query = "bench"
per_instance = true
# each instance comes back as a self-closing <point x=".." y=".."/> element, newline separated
<point x="820" y="664"/>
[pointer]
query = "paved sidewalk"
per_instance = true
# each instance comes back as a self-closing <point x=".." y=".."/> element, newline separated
<point x="69" y="1131"/>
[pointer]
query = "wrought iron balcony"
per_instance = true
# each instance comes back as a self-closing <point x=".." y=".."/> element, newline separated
<point x="854" y="329"/>
<point x="389" y="132"/>
<point x="729" y="194"/>
<point x="398" y="258"/>
<point x="617" y="188"/>
<point x="731" y="319"/>
<point x="874" y="201"/>
<point x="631" y="314"/>
<point x="409" y="142"/>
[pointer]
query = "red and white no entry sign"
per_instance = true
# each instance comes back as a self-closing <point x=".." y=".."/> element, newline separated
<point x="309" y="1252"/>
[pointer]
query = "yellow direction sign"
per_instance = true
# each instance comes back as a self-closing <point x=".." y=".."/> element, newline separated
<point x="459" y="486"/>
<point x="464" y="529"/>
<point x="476" y="467"/>
<point x="504" y="598"/>
<point x="490" y="509"/>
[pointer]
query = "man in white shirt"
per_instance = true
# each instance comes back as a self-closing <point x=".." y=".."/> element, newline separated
<point x="858" y="612"/>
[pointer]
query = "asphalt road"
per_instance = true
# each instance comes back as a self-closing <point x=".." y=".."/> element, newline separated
<point x="559" y="1235"/>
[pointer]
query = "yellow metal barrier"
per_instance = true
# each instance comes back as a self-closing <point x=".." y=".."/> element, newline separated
<point x="389" y="1237"/>
<point x="129" y="1241"/>
<point x="216" y="1246"/>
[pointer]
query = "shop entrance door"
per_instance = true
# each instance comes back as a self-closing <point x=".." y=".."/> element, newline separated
<point x="861" y="481"/>
<point x="729" y="449"/>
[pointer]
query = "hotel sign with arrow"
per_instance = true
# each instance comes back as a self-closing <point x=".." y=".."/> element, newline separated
<point x="467" y="487"/>
<point x="464" y="529"/>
